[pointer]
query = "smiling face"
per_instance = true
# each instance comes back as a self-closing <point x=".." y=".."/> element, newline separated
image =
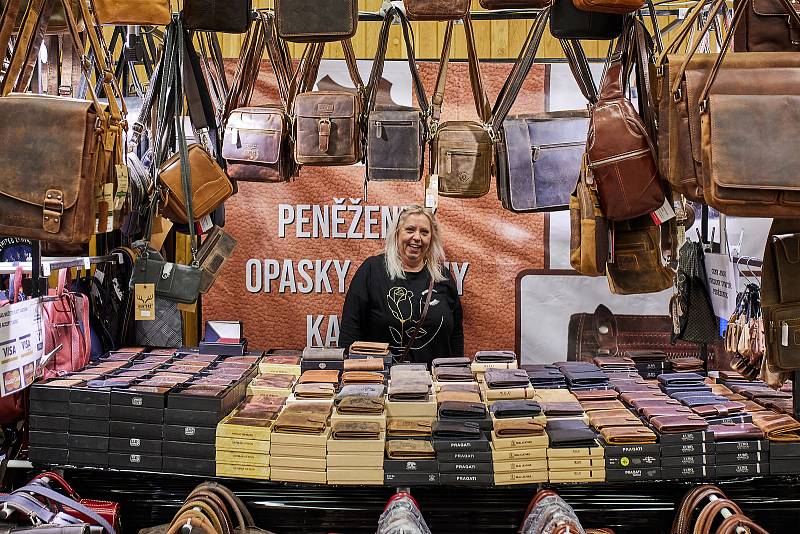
<point x="413" y="241"/>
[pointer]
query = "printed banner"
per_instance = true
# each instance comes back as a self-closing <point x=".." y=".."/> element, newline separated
<point x="21" y="344"/>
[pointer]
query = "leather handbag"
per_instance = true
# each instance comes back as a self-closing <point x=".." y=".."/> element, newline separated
<point x="173" y="281"/>
<point x="108" y="510"/>
<point x="461" y="151"/>
<point x="690" y="307"/>
<point x="256" y="143"/>
<point x="570" y="22"/>
<point x="396" y="135"/>
<point x="538" y="156"/>
<point x="217" y="248"/>
<point x="227" y="16"/>
<point x="133" y="12"/>
<point x="638" y="266"/>
<point x="767" y="27"/>
<point x="514" y="4"/>
<point x="436" y="9"/>
<point x="621" y="155"/>
<point x="327" y="124"/>
<point x="588" y="241"/>
<point x="316" y="21"/>
<point x="621" y="7"/>
<point x="66" y="328"/>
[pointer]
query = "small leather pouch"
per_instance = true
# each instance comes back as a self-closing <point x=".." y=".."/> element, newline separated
<point x="363" y="364"/>
<point x="462" y="410"/>
<point x="318" y="376"/>
<point x="457" y="430"/>
<point x="504" y="409"/>
<point x="453" y="374"/>
<point x="451" y="362"/>
<point x="517" y="428"/>
<point x="570" y="433"/>
<point x="615" y="435"/>
<point x="314" y="391"/>
<point x="458" y="396"/>
<point x="370" y="348"/>
<point x="409" y="449"/>
<point x="670" y="424"/>
<point x="777" y="427"/>
<point x="361" y="377"/>
<point x="736" y="432"/>
<point x="217" y="247"/>
<point x="400" y="390"/>
<point x="602" y="406"/>
<point x="173" y="281"/>
<point x="409" y="427"/>
<point x="596" y="395"/>
<point x="507" y="378"/>
<point x="495" y="356"/>
<point x="356" y="430"/>
<point x="301" y="420"/>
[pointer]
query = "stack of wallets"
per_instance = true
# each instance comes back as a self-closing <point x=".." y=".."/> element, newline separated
<point x="463" y="436"/>
<point x="322" y="358"/>
<point x="583" y="375"/>
<point x="784" y="457"/>
<point x="410" y="393"/>
<point x="224" y="338"/>
<point x="505" y="384"/>
<point x="493" y="359"/>
<point x="317" y="384"/>
<point x="462" y="402"/>
<point x="519" y="442"/>
<point x="451" y="371"/>
<point x="299" y="440"/>
<point x="362" y="350"/>
<point x="366" y="370"/>
<point x="243" y="438"/>
<point x="650" y="364"/>
<point x="268" y="383"/>
<point x="410" y="457"/>
<point x="281" y="362"/>
<point x="560" y="404"/>
<point x="783" y="433"/>
<point x="741" y="450"/>
<point x="573" y="453"/>
<point x="689" y="364"/>
<point x="545" y="376"/>
<point x="360" y="403"/>
<point x="355" y="452"/>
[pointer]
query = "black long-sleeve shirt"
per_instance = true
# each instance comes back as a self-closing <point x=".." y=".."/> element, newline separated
<point x="380" y="309"/>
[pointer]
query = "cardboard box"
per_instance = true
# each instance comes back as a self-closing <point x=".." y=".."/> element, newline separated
<point x="295" y="462"/>
<point x="355" y="476"/>
<point x="243" y="458"/>
<point x="512" y="466"/>
<point x="573" y="464"/>
<point x="278" y="368"/>
<point x="744" y="469"/>
<point x="697" y="471"/>
<point x="90" y="411"/>
<point x="737" y="458"/>
<point x="410" y="466"/>
<point x="380" y="418"/>
<point x="466" y="456"/>
<point x="352" y="460"/>
<point x="243" y="471"/>
<point x="729" y="447"/>
<point x="502" y="455"/>
<point x="325" y="402"/>
<point x="476" y="367"/>
<point x="625" y="475"/>
<point x="89" y="427"/>
<point x="89" y="458"/>
<point x="49" y="455"/>
<point x="127" y="429"/>
<point x="784" y="450"/>
<point x="521" y="477"/>
<point x="784" y="466"/>
<point x="492" y="395"/>
<point x="466" y="479"/>
<point x="262" y="432"/>
<point x="298" y="475"/>
<point x="277" y="449"/>
<point x="57" y="440"/>
<point x="632" y="462"/>
<point x="135" y="461"/>
<point x="135" y="445"/>
<point x="358" y="445"/>
<point x="684" y="438"/>
<point x="688" y="449"/>
<point x="260" y="390"/>
<point x="189" y="466"/>
<point x="580" y="475"/>
<point x="323" y="365"/>
<point x="412" y="409"/>
<point x="307" y="440"/>
<point x="88" y="443"/>
<point x="242" y="445"/>
<point x="471" y="468"/>
<point x="410" y="479"/>
<point x="446" y="445"/>
<point x="692" y="459"/>
<point x="541" y="419"/>
<point x="580" y="452"/>
<point x="136" y="414"/>
<point x="529" y="442"/>
<point x="49" y="423"/>
<point x="190" y="434"/>
<point x="650" y="449"/>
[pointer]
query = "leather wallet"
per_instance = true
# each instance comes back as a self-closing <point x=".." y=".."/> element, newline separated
<point x="360" y="398"/>
<point x="780" y="405"/>
<point x="361" y="377"/>
<point x="517" y="428"/>
<point x="314" y="391"/>
<point x="615" y="435"/>
<point x="282" y="359"/>
<point x="370" y="348"/>
<point x="323" y="354"/>
<point x="658" y="410"/>
<point x="777" y="427"/>
<point x="630" y="396"/>
<point x="458" y="396"/>
<point x="506" y="378"/>
<point x="496" y="356"/>
<point x="671" y="390"/>
<point x="680" y="379"/>
<point x="356" y="430"/>
<point x="461" y="361"/>
<point x="462" y="410"/>
<point x="614" y="362"/>
<point x="408" y="391"/>
<point x="470" y="387"/>
<point x="701" y="400"/>
<point x="723" y="409"/>
<point x="596" y="394"/>
<point x="600" y="406"/>
<point x="670" y="424"/>
<point x="299" y="419"/>
<point x="689" y="363"/>
<point x="563" y="408"/>
<point x="363" y="364"/>
<point x="736" y="432"/>
<point x="409" y="427"/>
<point x="504" y="409"/>
<point x="580" y="378"/>
<point x="409" y="449"/>
<point x="318" y="376"/>
<point x="271" y="380"/>
<point x="616" y="420"/>
<point x="452" y="374"/>
<point x="622" y="412"/>
<point x="752" y="407"/>
<point x="457" y="430"/>
<point x="570" y="433"/>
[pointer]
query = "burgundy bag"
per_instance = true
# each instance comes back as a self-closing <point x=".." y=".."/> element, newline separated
<point x="108" y="510"/>
<point x="13" y="407"/>
<point x="66" y="329"/>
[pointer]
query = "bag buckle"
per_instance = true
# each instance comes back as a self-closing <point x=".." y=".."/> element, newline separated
<point x="324" y="133"/>
<point x="166" y="271"/>
<point x="677" y="96"/>
<point x="64" y="90"/>
<point x="52" y="211"/>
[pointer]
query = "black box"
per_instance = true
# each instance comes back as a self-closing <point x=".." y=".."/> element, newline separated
<point x="466" y="479"/>
<point x="48" y="455"/>
<point x="192" y="418"/>
<point x="726" y="447"/>
<point x="743" y="470"/>
<point x="633" y="462"/>
<point x="90" y="458"/>
<point x="657" y="365"/>
<point x="223" y="349"/>
<point x="465" y="456"/>
<point x="650" y="375"/>
<point x="736" y="458"/>
<point x="89" y="427"/>
<point x="685" y="461"/>
<point x="731" y="419"/>
<point x="88" y="443"/>
<point x="41" y="392"/>
<point x="49" y="423"/>
<point x="58" y="440"/>
<point x="784" y="466"/>
<point x="686" y="437"/>
<point x="698" y="471"/>
<point x="50" y="407"/>
<point x="128" y="429"/>
<point x="90" y="411"/>
<point x="190" y="466"/>
<point x="649" y="449"/>
<point x="138" y="399"/>
<point x="448" y="445"/>
<point x="138" y="462"/>
<point x="90" y="395"/>
<point x="485" y="468"/>
<point x="325" y="365"/>
<point x="181" y="449"/>
<point x="410" y="466"/>
<point x="785" y="450"/>
<point x="190" y="434"/>
<point x="140" y="446"/>
<point x="688" y="449"/>
<point x="137" y="414"/>
<point x="625" y="475"/>
<point x="410" y="479"/>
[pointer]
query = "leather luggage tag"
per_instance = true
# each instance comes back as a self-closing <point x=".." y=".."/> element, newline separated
<point x="145" y="295"/>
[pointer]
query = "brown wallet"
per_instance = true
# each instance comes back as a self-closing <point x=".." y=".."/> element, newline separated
<point x="363" y="364"/>
<point x="460" y="396"/>
<point x="370" y="347"/>
<point x="318" y="376"/>
<point x="736" y="432"/>
<point x="777" y="427"/>
<point x="615" y="435"/>
<point x="408" y="449"/>
<point x="596" y="395"/>
<point x="314" y="391"/>
<point x="507" y="428"/>
<point x="356" y="430"/>
<point x="720" y="409"/>
<point x="360" y="404"/>
<point x="616" y="420"/>
<point x="641" y="404"/>
<point x="361" y="377"/>
<point x="470" y="387"/>
<point x="408" y="391"/>
<point x="271" y="380"/>
<point x="409" y="426"/>
<point x="659" y="410"/>
<point x="631" y="396"/>
<point x="595" y="406"/>
<point x="297" y="419"/>
<point x="671" y="424"/>
<point x="453" y="374"/>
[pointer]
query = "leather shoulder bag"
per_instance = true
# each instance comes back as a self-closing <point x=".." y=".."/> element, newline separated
<point x="767" y="27"/>
<point x="327" y="124"/>
<point x="133" y="12"/>
<point x="620" y="7"/>
<point x="588" y="241"/>
<point x="256" y="145"/>
<point x="570" y="22"/>
<point x="436" y="9"/>
<point x="461" y="151"/>
<point x="316" y="21"/>
<point x="227" y="16"/>
<point x="637" y="264"/>
<point x="396" y="135"/>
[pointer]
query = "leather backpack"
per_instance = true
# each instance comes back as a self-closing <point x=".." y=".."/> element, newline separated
<point x="436" y="9"/>
<point x="396" y="135"/>
<point x="227" y="16"/>
<point x="461" y="151"/>
<point x="327" y="124"/>
<point x="569" y="22"/>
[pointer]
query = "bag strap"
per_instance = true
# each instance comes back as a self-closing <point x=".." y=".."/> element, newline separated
<point x="642" y="53"/>
<point x="8" y="18"/>
<point x="52" y="495"/>
<point x="579" y="65"/>
<point x="37" y="13"/>
<point x="683" y="31"/>
<point x="240" y="511"/>
<point x="734" y="523"/>
<point x="422" y="317"/>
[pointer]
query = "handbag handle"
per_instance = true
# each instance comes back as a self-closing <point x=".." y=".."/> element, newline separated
<point x="243" y="516"/>
<point x="422" y="317"/>
<point x="310" y="76"/>
<point x="50" y="494"/>
<point x="733" y="523"/>
<point x="579" y="65"/>
<point x="682" y="522"/>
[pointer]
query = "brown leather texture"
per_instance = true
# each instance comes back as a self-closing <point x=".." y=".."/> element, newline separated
<point x="609" y="6"/>
<point x="361" y="377"/>
<point x="327" y="129"/>
<point x="359" y="404"/>
<point x="588" y="237"/>
<point x="766" y="28"/>
<point x="504" y="428"/>
<point x="736" y="432"/>
<point x="777" y="427"/>
<point x="134" y="12"/>
<point x="255" y="146"/>
<point x="296" y="418"/>
<point x="514" y="4"/>
<point x="363" y="364"/>
<point x="459" y="396"/>
<point x="228" y="16"/>
<point x="463" y="155"/>
<point x="318" y="376"/>
<point x="304" y="21"/>
<point x="409" y="426"/>
<point x="638" y="265"/>
<point x="314" y="391"/>
<point x="355" y="430"/>
<point x="369" y="347"/>
<point x="436" y="9"/>
<point x="402" y="449"/>
<point x="47" y="189"/>
<point x="210" y="185"/>
<point x="666" y="424"/>
<point x="616" y="435"/>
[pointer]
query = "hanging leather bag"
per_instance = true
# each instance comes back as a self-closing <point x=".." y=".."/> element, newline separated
<point x="780" y="296"/>
<point x="436" y="9"/>
<point x="588" y="241"/>
<point x="637" y="266"/>
<point x="227" y="16"/>
<point x="316" y="21"/>
<point x="690" y="307"/>
<point x="514" y="4"/>
<point x="66" y="328"/>
<point x="396" y="135"/>
<point x="133" y="12"/>
<point x="767" y="27"/>
<point x="569" y="22"/>
<point x="327" y="124"/>
<point x="461" y="151"/>
<point x="256" y="145"/>
<point x="621" y="155"/>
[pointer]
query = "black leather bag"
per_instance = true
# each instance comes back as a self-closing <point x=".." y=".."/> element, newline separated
<point x="316" y="21"/>
<point x="172" y="281"/>
<point x="569" y="22"/>
<point x="227" y="16"/>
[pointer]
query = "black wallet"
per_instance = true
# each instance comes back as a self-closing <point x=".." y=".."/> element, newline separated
<point x="495" y="356"/>
<point x="466" y="430"/>
<point x="680" y="379"/>
<point x="504" y="409"/>
<point x="451" y="362"/>
<point x="570" y="433"/>
<point x="462" y="410"/>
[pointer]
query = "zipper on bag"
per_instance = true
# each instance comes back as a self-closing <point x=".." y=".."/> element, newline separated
<point x="620" y="157"/>
<point x="536" y="150"/>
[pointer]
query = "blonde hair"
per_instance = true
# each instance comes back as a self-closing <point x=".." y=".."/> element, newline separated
<point x="434" y="256"/>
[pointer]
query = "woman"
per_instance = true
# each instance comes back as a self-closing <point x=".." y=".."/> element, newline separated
<point x="389" y="292"/>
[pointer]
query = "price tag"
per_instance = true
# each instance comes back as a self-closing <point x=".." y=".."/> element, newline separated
<point x="145" y="302"/>
<point x="206" y="224"/>
<point x="123" y="184"/>
<point x="785" y="334"/>
<point x="45" y="268"/>
<point x="432" y="192"/>
<point x="664" y="213"/>
<point x="87" y="264"/>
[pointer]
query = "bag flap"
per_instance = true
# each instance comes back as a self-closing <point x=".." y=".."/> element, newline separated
<point x="558" y="127"/>
<point x="738" y="123"/>
<point x="264" y="118"/>
<point x="42" y="141"/>
<point x="787" y="247"/>
<point x="771" y="7"/>
<point x="254" y="134"/>
<point x="320" y="104"/>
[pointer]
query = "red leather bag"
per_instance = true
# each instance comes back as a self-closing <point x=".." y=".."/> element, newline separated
<point x="66" y="328"/>
<point x="108" y="510"/>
